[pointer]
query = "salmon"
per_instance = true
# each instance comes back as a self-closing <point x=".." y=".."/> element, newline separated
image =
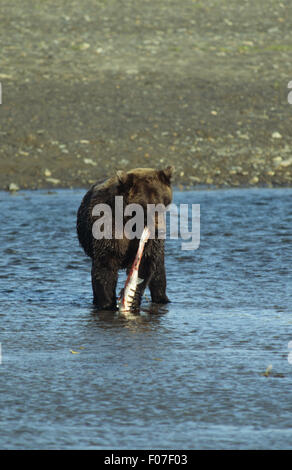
<point x="128" y="293"/>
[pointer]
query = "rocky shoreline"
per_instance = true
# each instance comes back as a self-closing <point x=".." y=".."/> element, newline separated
<point x="94" y="87"/>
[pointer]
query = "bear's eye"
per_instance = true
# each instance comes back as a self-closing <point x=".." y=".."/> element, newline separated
<point x="166" y="201"/>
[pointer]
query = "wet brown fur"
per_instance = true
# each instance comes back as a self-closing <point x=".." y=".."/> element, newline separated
<point x="141" y="186"/>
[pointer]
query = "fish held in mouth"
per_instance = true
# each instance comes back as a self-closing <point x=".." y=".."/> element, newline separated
<point x="127" y="297"/>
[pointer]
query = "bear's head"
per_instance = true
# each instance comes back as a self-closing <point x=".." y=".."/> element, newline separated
<point x="145" y="186"/>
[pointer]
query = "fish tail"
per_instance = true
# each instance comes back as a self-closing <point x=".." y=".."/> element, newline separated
<point x="145" y="235"/>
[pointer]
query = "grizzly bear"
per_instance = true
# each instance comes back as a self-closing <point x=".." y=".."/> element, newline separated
<point x="141" y="186"/>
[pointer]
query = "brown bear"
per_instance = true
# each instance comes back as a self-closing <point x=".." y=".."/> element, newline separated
<point x="140" y="186"/>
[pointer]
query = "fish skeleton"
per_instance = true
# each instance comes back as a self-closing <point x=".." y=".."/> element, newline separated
<point x="128" y="293"/>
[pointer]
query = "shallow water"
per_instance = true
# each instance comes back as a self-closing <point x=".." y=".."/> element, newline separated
<point x="183" y="376"/>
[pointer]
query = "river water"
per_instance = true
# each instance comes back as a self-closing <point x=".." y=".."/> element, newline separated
<point x="188" y="375"/>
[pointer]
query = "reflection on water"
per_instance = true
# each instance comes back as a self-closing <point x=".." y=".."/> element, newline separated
<point x="184" y="375"/>
<point x="148" y="316"/>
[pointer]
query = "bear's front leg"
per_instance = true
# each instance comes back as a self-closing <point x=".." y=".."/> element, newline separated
<point x="157" y="284"/>
<point x="104" y="282"/>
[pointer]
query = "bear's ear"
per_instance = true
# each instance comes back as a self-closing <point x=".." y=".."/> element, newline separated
<point x="125" y="179"/>
<point x="165" y="175"/>
<point x="122" y="176"/>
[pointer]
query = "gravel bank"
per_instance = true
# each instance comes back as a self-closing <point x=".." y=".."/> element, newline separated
<point x="93" y="86"/>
